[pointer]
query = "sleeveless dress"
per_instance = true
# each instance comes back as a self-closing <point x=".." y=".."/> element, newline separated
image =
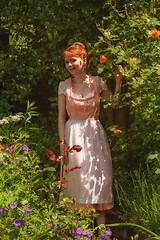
<point x="92" y="183"/>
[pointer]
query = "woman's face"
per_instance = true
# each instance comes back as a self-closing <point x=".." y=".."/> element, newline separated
<point x="74" y="64"/>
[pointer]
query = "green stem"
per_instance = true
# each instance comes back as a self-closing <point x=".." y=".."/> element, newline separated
<point x="135" y="225"/>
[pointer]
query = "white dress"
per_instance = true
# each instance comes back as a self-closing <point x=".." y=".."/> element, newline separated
<point x="92" y="183"/>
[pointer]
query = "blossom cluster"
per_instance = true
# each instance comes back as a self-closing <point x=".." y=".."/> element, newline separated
<point x="154" y="33"/>
<point x="106" y="235"/>
<point x="15" y="222"/>
<point x="22" y="148"/>
<point x="79" y="233"/>
<point x="11" y="118"/>
<point x="27" y="209"/>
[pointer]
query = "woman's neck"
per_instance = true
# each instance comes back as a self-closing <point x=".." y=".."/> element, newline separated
<point x="80" y="78"/>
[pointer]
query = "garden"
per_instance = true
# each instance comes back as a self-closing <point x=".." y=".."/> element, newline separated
<point x="117" y="34"/>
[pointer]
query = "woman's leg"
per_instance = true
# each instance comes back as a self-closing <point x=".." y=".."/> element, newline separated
<point x="101" y="219"/>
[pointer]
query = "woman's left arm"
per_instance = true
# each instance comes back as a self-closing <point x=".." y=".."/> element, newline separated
<point x="118" y="77"/>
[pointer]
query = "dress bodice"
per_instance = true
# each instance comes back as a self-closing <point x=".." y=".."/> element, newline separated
<point x="82" y="108"/>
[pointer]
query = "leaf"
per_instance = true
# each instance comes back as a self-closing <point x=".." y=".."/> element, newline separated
<point x="100" y="70"/>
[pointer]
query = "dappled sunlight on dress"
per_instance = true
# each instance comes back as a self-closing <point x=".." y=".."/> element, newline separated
<point x="92" y="183"/>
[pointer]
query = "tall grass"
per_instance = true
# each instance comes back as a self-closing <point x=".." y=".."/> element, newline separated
<point x="140" y="201"/>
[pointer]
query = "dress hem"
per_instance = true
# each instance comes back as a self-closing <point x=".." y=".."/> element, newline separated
<point x="86" y="206"/>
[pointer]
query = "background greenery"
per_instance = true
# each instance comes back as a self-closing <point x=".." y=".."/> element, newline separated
<point x="32" y="66"/>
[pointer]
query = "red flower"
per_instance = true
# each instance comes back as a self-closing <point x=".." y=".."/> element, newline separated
<point x="158" y="33"/>
<point x="74" y="168"/>
<point x="119" y="66"/>
<point x="141" y="12"/>
<point x="61" y="141"/>
<point x="51" y="155"/>
<point x="103" y="59"/>
<point x="77" y="148"/>
<point x="63" y="180"/>
<point x="74" y="199"/>
<point x="154" y="32"/>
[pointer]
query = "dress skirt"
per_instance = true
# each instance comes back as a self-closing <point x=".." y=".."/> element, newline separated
<point x="92" y="183"/>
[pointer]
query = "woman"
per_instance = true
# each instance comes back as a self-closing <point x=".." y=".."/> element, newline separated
<point x="91" y="185"/>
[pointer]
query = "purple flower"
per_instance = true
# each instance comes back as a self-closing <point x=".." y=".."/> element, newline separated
<point x="2" y="210"/>
<point x="11" y="148"/>
<point x="27" y="209"/>
<point x="23" y="148"/>
<point x="62" y="233"/>
<point x="18" y="223"/>
<point x="72" y="231"/>
<point x="75" y="219"/>
<point x="52" y="224"/>
<point x="79" y="231"/>
<point x="12" y="205"/>
<point x="102" y="237"/>
<point x="108" y="233"/>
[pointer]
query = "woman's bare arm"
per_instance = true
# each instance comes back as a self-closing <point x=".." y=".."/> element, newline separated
<point x="61" y="126"/>
<point x="107" y="92"/>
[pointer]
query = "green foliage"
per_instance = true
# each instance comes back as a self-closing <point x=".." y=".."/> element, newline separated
<point x="126" y="40"/>
<point x="40" y="30"/>
<point x="139" y="199"/>
<point x="40" y="208"/>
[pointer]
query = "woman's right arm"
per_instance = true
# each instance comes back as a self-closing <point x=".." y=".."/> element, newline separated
<point x="61" y="125"/>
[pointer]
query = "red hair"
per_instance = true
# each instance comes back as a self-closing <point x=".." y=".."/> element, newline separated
<point x="76" y="49"/>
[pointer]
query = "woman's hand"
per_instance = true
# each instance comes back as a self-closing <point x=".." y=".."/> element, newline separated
<point x="64" y="153"/>
<point x="118" y="75"/>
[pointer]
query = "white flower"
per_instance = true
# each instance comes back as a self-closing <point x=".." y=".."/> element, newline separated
<point x="24" y="202"/>
<point x="1" y="138"/>
<point x="15" y="118"/>
<point x="4" y="121"/>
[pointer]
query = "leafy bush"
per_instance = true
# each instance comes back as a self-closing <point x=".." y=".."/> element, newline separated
<point x="130" y="38"/>
<point x="32" y="203"/>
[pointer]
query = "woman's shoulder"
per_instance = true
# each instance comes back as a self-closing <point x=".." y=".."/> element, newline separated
<point x="62" y="88"/>
<point x="101" y="84"/>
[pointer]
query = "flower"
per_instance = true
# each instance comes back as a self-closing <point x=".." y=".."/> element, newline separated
<point x="23" y="148"/>
<point x="24" y="202"/>
<point x="4" y="121"/>
<point x="2" y="210"/>
<point x="18" y="223"/>
<point x="51" y="155"/>
<point x="12" y="205"/>
<point x="77" y="148"/>
<point x="74" y="199"/>
<point x="72" y="231"/>
<point x="15" y="118"/>
<point x="141" y="12"/>
<point x="61" y="141"/>
<point x="108" y="233"/>
<point x="154" y="32"/>
<point x="74" y="168"/>
<point x="79" y="231"/>
<point x="103" y="59"/>
<point x="52" y="224"/>
<point x="115" y="130"/>
<point x="11" y="148"/>
<point x="27" y="209"/>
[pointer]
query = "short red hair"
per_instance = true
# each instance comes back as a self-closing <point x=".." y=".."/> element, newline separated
<point x="76" y="49"/>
